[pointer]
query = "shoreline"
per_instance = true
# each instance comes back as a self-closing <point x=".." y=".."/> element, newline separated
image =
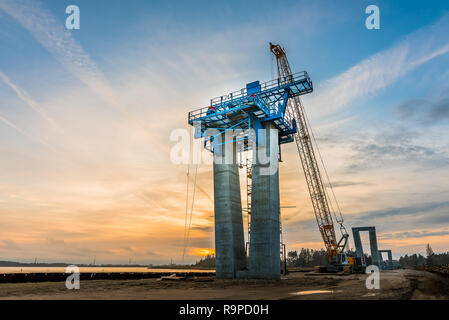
<point x="61" y="276"/>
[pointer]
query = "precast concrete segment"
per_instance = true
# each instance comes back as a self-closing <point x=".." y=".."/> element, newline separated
<point x="388" y="265"/>
<point x="357" y="243"/>
<point x="375" y="255"/>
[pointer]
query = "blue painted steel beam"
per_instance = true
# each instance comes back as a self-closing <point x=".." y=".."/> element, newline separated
<point x="266" y="102"/>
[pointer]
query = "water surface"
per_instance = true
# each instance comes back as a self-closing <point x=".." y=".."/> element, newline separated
<point x="94" y="270"/>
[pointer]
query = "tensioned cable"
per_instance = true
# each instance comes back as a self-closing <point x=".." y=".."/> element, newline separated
<point x="187" y="206"/>
<point x="341" y="220"/>
<point x="193" y="202"/>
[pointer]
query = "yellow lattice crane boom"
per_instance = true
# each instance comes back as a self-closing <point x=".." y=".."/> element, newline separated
<point x="320" y="200"/>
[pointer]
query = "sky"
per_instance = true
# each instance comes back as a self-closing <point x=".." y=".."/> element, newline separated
<point x="86" y="117"/>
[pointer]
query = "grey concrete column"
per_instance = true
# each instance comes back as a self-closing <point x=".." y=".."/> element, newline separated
<point x="375" y="258"/>
<point x="381" y="259"/>
<point x="390" y="260"/>
<point x="264" y="249"/>
<point x="229" y="235"/>
<point x="357" y="243"/>
<point x="390" y="257"/>
<point x="389" y="263"/>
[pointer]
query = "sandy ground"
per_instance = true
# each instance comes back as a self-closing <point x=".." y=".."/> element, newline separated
<point x="398" y="284"/>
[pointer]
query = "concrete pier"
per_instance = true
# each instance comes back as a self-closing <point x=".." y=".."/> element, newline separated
<point x="264" y="249"/>
<point x="386" y="265"/>
<point x="375" y="255"/>
<point x="229" y="235"/>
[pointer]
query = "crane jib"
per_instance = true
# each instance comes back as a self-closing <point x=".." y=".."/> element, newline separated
<point x="318" y="195"/>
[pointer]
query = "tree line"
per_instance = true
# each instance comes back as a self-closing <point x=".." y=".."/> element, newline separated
<point x="431" y="259"/>
<point x="311" y="258"/>
<point x="206" y="262"/>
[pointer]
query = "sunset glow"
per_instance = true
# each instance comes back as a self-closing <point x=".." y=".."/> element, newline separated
<point x="86" y="117"/>
<point x="203" y="252"/>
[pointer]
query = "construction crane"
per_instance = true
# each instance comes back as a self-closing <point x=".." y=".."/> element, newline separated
<point x="320" y="200"/>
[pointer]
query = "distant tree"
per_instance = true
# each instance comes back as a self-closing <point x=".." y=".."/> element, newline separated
<point x="292" y="257"/>
<point x="429" y="250"/>
<point x="307" y="258"/>
<point x="310" y="258"/>
<point x="430" y="255"/>
<point x="414" y="260"/>
<point x="207" y="262"/>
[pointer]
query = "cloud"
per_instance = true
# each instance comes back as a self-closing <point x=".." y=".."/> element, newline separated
<point x="338" y="184"/>
<point x="372" y="154"/>
<point x="392" y="147"/>
<point x="417" y="209"/>
<point x="28" y="100"/>
<point x="414" y="234"/>
<point x="50" y="32"/>
<point x="441" y="218"/>
<point x="407" y="109"/>
<point x="382" y="69"/>
<point x="10" y="245"/>
<point x="32" y="104"/>
<point x="119" y="199"/>
<point x="24" y="133"/>
<point x="194" y="242"/>
<point x="203" y="228"/>
<point x="52" y="35"/>
<point x="424" y="111"/>
<point x="440" y="110"/>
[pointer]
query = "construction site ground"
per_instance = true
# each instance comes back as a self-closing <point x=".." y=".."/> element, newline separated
<point x="398" y="284"/>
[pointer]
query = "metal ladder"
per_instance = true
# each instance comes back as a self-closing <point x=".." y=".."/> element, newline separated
<point x="249" y="189"/>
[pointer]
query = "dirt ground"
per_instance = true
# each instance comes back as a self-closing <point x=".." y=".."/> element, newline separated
<point x="398" y="284"/>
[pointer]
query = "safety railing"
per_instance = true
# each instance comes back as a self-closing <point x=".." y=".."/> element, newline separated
<point x="225" y="102"/>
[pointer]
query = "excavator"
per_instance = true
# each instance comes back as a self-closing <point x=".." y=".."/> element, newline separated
<point x="339" y="258"/>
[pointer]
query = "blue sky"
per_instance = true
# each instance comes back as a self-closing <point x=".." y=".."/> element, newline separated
<point x="86" y="115"/>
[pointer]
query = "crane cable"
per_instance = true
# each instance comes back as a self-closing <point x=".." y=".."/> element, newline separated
<point x="187" y="205"/>
<point x="191" y="209"/>
<point x="187" y="228"/>
<point x="339" y="220"/>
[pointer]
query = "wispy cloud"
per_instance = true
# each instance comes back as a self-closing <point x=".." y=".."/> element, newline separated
<point x="23" y="95"/>
<point x="414" y="234"/>
<point x="24" y="133"/>
<point x="52" y="35"/>
<point x="404" y="211"/>
<point x="395" y="147"/>
<point x="50" y="32"/>
<point x="338" y="184"/>
<point x="382" y="69"/>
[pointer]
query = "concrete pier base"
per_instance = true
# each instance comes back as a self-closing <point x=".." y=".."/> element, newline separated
<point x="264" y="248"/>
<point x="229" y="235"/>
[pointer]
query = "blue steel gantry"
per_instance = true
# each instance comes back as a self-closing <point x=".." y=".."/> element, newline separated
<point x="254" y="108"/>
<point x="250" y="107"/>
